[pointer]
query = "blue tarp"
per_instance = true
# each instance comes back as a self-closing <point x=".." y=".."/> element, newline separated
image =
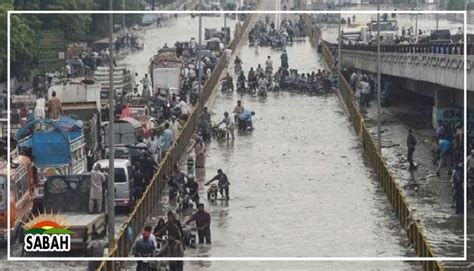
<point x="51" y="144"/>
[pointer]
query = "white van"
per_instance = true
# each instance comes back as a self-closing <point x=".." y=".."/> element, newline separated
<point x="123" y="181"/>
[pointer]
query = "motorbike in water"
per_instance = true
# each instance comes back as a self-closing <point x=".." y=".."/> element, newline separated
<point x="237" y="69"/>
<point x="212" y="192"/>
<point x="190" y="236"/>
<point x="219" y="133"/>
<point x="147" y="265"/>
<point x="262" y="91"/>
<point x="224" y="87"/>
<point x="241" y="88"/>
<point x="245" y="125"/>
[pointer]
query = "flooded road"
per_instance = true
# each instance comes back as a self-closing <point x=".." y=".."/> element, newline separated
<point x="299" y="186"/>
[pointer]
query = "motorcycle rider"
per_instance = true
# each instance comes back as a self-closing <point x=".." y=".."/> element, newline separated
<point x="252" y="78"/>
<point x="193" y="187"/>
<point x="238" y="109"/>
<point x="173" y="248"/>
<point x="269" y="64"/>
<point x="262" y="84"/>
<point x="259" y="70"/>
<point x="241" y="81"/>
<point x="203" y="222"/>
<point x="245" y="118"/>
<point x="144" y="247"/>
<point x="229" y="124"/>
<point x="223" y="183"/>
<point x="238" y="63"/>
<point x="229" y="82"/>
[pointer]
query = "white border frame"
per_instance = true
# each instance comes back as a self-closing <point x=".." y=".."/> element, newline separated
<point x="331" y="259"/>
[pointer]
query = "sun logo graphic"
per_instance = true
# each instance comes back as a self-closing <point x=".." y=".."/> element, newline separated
<point x="47" y="233"/>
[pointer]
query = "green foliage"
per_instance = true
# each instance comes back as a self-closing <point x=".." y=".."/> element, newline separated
<point x="22" y="46"/>
<point x="76" y="27"/>
<point x="456" y="4"/>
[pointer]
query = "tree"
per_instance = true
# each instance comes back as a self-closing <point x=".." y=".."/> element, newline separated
<point x="21" y="44"/>
<point x="456" y="4"/>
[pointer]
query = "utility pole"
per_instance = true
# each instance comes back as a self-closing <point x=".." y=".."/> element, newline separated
<point x="437" y="14"/>
<point x="379" y="81"/>
<point x="123" y="16"/>
<point x="339" y="42"/>
<point x="199" y="54"/>
<point x="110" y="179"/>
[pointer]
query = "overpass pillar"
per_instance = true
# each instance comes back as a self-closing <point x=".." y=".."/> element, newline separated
<point x="445" y="109"/>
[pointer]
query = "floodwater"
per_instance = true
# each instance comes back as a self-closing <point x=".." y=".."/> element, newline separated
<point x="299" y="186"/>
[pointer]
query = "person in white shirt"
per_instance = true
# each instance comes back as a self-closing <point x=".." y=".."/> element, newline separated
<point x="229" y="124"/>
<point x="183" y="106"/>
<point x="40" y="107"/>
<point x="68" y="70"/>
<point x="269" y="64"/>
<point x="364" y="92"/>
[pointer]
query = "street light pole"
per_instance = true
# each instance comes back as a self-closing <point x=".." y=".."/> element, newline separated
<point x="111" y="177"/>
<point x="379" y="81"/>
<point x="437" y="14"/>
<point x="199" y="53"/>
<point x="123" y="16"/>
<point x="340" y="38"/>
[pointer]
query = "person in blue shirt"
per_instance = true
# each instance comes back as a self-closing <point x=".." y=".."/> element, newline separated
<point x="245" y="119"/>
<point x="167" y="139"/>
<point x="445" y="150"/>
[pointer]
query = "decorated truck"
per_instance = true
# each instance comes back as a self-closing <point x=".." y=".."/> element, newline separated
<point x="56" y="148"/>
<point x="21" y="195"/>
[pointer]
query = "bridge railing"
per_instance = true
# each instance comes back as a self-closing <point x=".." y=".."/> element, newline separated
<point x="151" y="198"/>
<point x="445" y="49"/>
<point x="393" y="191"/>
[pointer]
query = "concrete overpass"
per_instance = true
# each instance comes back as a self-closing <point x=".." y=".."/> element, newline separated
<point x="442" y="69"/>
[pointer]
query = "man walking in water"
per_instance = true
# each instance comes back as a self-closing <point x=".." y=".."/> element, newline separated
<point x="223" y="183"/>
<point x="203" y="222"/>
<point x="411" y="143"/>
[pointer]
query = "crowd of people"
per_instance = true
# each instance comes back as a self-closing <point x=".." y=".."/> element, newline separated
<point x="265" y="33"/>
<point x="261" y="80"/>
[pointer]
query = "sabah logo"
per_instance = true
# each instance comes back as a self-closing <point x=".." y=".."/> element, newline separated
<point x="47" y="233"/>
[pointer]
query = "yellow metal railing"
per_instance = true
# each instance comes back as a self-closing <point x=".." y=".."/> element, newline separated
<point x="152" y="195"/>
<point x="375" y="160"/>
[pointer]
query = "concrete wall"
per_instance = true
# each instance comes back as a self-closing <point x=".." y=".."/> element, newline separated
<point x="445" y="70"/>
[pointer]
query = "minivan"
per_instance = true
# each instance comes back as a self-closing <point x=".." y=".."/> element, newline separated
<point x="123" y="181"/>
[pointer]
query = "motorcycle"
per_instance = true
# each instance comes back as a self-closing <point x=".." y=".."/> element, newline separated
<point x="219" y="133"/>
<point x="189" y="236"/>
<point x="245" y="125"/>
<point x="262" y="91"/>
<point x="224" y="87"/>
<point x="237" y="68"/>
<point x="252" y="86"/>
<point x="241" y="86"/>
<point x="268" y="72"/>
<point x="145" y="265"/>
<point x="212" y="192"/>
